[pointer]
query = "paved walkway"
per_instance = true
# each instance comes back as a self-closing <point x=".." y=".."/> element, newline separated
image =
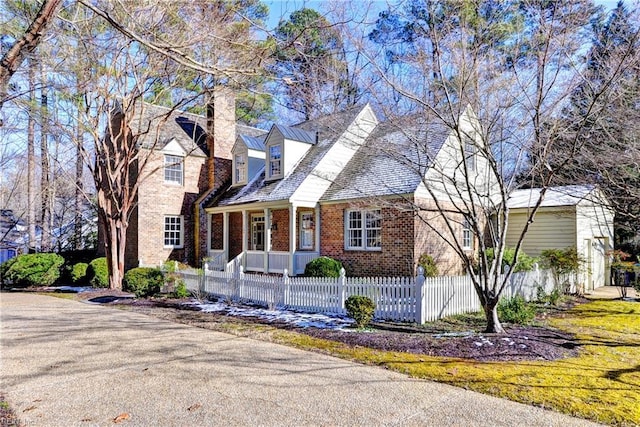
<point x="66" y="363"/>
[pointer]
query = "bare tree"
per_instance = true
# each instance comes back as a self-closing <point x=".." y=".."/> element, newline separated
<point x="500" y="90"/>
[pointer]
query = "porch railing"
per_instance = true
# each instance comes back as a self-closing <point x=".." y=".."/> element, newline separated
<point x="217" y="260"/>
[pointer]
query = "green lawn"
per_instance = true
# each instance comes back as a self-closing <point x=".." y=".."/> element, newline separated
<point x="602" y="384"/>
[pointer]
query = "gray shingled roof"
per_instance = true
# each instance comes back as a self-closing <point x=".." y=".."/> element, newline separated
<point x="329" y="129"/>
<point x="393" y="161"/>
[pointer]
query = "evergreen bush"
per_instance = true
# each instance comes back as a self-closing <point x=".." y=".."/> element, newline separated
<point x="98" y="273"/>
<point x="525" y="262"/>
<point x="361" y="309"/>
<point x="79" y="273"/>
<point x="323" y="267"/>
<point x="4" y="268"/>
<point x="143" y="281"/>
<point x="516" y="310"/>
<point x="427" y="262"/>
<point x="33" y="270"/>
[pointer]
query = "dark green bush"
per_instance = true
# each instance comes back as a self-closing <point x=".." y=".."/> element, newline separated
<point x="525" y="262"/>
<point x="33" y="270"/>
<point x="143" y="281"/>
<point x="98" y="273"/>
<point x="361" y="309"/>
<point x="79" y="273"/>
<point x="516" y="310"/>
<point x="427" y="262"/>
<point x="4" y="268"/>
<point x="323" y="267"/>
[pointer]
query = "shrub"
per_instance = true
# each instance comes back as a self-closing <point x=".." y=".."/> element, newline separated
<point x="360" y="309"/>
<point x="181" y="290"/>
<point x="562" y="262"/>
<point x="427" y="262"/>
<point x="525" y="262"/>
<point x="34" y="270"/>
<point x="323" y="267"/>
<point x="143" y="281"/>
<point x="515" y="310"/>
<point x="98" y="273"/>
<point x="4" y="268"/>
<point x="79" y="273"/>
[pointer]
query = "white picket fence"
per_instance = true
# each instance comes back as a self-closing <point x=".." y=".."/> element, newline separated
<point x="413" y="299"/>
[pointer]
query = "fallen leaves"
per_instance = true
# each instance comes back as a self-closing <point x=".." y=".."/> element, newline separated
<point x="122" y="417"/>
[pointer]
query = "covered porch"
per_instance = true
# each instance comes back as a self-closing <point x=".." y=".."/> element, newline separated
<point x="264" y="239"/>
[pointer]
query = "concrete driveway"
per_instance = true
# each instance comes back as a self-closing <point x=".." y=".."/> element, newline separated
<point x="66" y="363"/>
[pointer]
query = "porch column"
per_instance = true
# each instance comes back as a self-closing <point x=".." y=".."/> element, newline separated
<point x="267" y="238"/>
<point x="245" y="232"/>
<point x="292" y="238"/>
<point x="316" y="239"/>
<point x="225" y="236"/>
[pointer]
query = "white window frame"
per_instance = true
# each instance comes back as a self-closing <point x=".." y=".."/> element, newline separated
<point x="271" y="161"/>
<point x="240" y="168"/>
<point x="178" y="228"/>
<point x="307" y="230"/>
<point x="361" y="229"/>
<point x="173" y="165"/>
<point x="256" y="221"/>
<point x="467" y="235"/>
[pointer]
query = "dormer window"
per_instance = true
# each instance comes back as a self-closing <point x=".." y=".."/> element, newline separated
<point x="173" y="169"/>
<point x="275" y="161"/>
<point x="240" y="168"/>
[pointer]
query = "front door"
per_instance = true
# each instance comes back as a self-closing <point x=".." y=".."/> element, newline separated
<point x="257" y="232"/>
<point x="307" y="231"/>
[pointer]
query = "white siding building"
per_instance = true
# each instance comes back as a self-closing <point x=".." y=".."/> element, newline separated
<point x="570" y="216"/>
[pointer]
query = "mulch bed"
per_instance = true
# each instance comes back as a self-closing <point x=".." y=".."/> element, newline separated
<point x="518" y="344"/>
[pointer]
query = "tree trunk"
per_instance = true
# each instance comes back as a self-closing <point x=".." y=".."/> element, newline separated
<point x="31" y="162"/>
<point x="115" y="255"/>
<point x="45" y="182"/>
<point x="15" y="55"/>
<point x="493" y="322"/>
<point x="77" y="219"/>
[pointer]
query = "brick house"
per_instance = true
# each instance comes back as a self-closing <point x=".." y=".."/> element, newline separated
<point x="182" y="165"/>
<point x="347" y="187"/>
<point x="343" y="185"/>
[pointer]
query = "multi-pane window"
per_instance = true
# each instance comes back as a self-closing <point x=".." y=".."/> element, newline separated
<point x="240" y="168"/>
<point x="363" y="229"/>
<point x="173" y="170"/>
<point x="275" y="160"/>
<point x="467" y="235"/>
<point x="257" y="232"/>
<point x="173" y="231"/>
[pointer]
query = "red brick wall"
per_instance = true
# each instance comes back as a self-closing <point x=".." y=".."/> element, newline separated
<point x="217" y="229"/>
<point x="235" y="234"/>
<point x="427" y="241"/>
<point x="157" y="199"/>
<point x="280" y="236"/>
<point x="396" y="256"/>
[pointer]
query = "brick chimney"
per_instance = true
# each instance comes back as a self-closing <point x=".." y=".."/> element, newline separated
<point x="221" y="130"/>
